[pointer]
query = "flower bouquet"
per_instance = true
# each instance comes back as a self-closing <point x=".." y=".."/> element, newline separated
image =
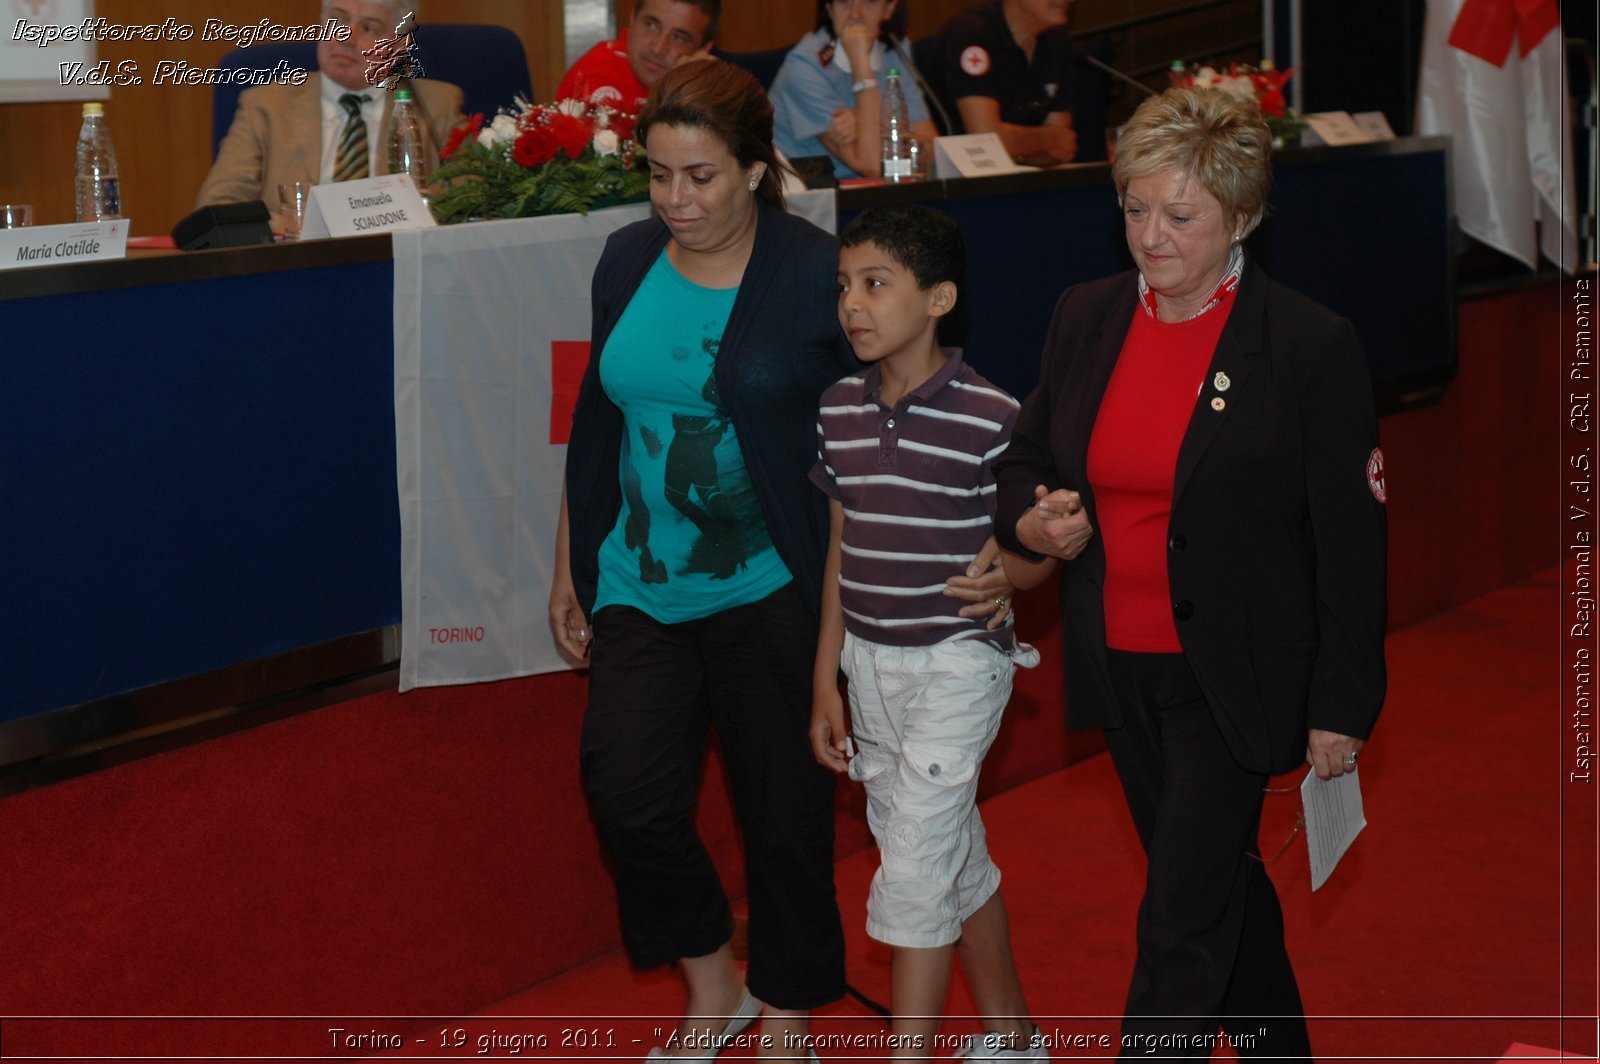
<point x="1263" y="85"/>
<point x="561" y="158"/>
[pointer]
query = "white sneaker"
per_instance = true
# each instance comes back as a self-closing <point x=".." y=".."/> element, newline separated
<point x="749" y="1011"/>
<point x="989" y="1048"/>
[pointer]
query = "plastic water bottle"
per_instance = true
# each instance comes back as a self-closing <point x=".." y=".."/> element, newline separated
<point x="98" y="195"/>
<point x="411" y="149"/>
<point x="895" y="124"/>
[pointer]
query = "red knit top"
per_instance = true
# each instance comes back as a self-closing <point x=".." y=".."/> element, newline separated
<point x="1133" y="459"/>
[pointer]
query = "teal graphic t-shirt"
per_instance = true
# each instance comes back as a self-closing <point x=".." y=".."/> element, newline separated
<point x="690" y="540"/>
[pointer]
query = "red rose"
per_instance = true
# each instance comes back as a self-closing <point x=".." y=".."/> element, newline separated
<point x="624" y="125"/>
<point x="572" y="134"/>
<point x="1269" y="91"/>
<point x="534" y="147"/>
<point x="461" y="135"/>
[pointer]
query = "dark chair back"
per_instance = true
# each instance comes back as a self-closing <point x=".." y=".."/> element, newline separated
<point x="764" y="65"/>
<point x="300" y="55"/>
<point x="925" y="56"/>
<point x="487" y="62"/>
<point x="1091" y="98"/>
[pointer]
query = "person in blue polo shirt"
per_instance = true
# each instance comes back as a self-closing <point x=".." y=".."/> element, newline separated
<point x="904" y="452"/>
<point x="828" y="95"/>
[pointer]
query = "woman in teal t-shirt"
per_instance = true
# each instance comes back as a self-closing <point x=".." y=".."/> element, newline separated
<point x="690" y="557"/>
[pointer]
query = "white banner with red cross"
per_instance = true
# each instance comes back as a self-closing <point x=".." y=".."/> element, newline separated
<point x="491" y="337"/>
<point x="1492" y="77"/>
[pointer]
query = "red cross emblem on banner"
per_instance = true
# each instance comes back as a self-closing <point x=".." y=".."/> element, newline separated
<point x="1487" y="28"/>
<point x="568" y="360"/>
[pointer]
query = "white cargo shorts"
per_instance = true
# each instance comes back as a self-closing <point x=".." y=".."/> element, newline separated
<point x="922" y="719"/>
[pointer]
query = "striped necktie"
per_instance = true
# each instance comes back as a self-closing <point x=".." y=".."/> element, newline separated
<point x="352" y="158"/>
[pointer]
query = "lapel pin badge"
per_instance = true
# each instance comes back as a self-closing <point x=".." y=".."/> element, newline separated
<point x="1221" y="382"/>
<point x="1219" y="404"/>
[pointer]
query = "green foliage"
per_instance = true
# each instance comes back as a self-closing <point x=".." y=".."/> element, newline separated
<point x="1286" y="128"/>
<point x="482" y="183"/>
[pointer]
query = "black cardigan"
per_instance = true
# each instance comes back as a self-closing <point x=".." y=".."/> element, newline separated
<point x="1276" y="543"/>
<point x="782" y="346"/>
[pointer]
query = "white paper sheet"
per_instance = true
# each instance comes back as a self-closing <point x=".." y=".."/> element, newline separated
<point x="1334" y="818"/>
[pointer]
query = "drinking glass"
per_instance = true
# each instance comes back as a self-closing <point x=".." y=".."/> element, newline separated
<point x="293" y="199"/>
<point x="15" y="215"/>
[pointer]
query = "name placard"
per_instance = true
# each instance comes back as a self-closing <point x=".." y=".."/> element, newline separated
<point x="360" y="208"/>
<point x="1334" y="128"/>
<point x="1373" y="124"/>
<point x="972" y="155"/>
<point x="53" y="245"/>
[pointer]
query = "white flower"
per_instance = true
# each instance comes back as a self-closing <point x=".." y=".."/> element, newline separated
<point x="503" y="130"/>
<point x="573" y="108"/>
<point x="486" y="137"/>
<point x="605" y="142"/>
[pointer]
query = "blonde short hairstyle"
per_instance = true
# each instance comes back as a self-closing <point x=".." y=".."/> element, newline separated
<point x="1217" y="139"/>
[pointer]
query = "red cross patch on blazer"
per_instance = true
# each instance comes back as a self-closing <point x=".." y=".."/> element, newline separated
<point x="1375" y="476"/>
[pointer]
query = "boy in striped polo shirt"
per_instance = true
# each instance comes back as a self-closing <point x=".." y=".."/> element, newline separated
<point x="905" y="449"/>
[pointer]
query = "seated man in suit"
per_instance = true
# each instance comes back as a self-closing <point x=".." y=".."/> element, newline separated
<point x="1006" y="65"/>
<point x="661" y="35"/>
<point x="331" y="128"/>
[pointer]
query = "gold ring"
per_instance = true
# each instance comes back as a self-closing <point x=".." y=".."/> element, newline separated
<point x="1001" y="601"/>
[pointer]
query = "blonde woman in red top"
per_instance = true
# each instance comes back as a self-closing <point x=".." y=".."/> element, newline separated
<point x="1201" y="456"/>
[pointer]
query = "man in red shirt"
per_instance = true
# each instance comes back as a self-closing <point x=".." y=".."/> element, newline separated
<point x="662" y="34"/>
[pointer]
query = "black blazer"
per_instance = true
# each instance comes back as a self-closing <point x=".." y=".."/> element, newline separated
<point x="1277" y="539"/>
<point x="781" y="347"/>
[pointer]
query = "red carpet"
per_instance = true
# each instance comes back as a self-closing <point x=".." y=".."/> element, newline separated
<point x="1440" y="936"/>
<point x="430" y="852"/>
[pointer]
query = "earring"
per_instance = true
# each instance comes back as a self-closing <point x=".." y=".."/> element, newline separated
<point x="753" y="185"/>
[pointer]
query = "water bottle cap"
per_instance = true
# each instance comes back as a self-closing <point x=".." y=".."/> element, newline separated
<point x="402" y="94"/>
<point x="96" y="109"/>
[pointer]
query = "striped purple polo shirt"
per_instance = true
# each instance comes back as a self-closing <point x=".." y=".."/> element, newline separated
<point x="918" y="498"/>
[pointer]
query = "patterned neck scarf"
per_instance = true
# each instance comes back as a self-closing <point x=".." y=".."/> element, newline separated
<point x="1230" y="281"/>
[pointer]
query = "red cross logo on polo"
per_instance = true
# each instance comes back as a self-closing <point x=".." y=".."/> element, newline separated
<point x="1375" y="476"/>
<point x="975" y="61"/>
